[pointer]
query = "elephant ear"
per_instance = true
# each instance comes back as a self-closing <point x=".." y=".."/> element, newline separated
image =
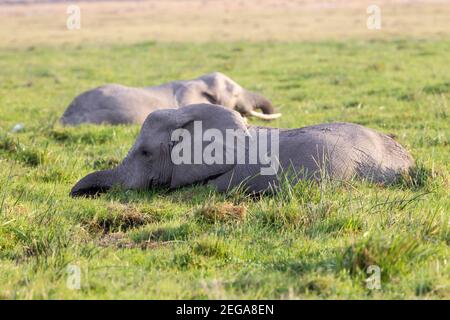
<point x="194" y="93"/>
<point x="221" y="88"/>
<point x="210" y="123"/>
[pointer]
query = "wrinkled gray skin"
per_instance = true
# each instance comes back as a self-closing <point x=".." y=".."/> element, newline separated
<point x="117" y="104"/>
<point x="339" y="150"/>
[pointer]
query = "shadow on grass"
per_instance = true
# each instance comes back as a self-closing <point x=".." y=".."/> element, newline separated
<point x="418" y="178"/>
<point x="12" y="149"/>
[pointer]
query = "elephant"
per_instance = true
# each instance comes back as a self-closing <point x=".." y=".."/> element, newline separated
<point x="118" y="104"/>
<point x="335" y="150"/>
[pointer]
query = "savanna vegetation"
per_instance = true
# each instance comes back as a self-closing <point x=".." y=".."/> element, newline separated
<point x="308" y="241"/>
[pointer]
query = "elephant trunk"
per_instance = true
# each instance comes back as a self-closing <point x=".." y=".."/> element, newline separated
<point x="96" y="183"/>
<point x="260" y="102"/>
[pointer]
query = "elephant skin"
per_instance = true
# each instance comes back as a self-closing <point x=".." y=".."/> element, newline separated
<point x="118" y="104"/>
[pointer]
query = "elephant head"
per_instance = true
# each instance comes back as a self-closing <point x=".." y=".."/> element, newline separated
<point x="149" y="162"/>
<point x="217" y="88"/>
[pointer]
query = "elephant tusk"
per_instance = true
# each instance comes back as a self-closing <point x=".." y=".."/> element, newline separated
<point x="265" y="116"/>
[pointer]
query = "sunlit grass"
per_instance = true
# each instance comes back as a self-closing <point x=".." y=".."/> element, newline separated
<point x="310" y="240"/>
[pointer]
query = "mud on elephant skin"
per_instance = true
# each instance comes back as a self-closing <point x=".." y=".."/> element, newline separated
<point x="118" y="104"/>
<point x="343" y="150"/>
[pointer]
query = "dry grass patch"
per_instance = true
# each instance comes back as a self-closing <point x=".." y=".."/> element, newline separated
<point x="122" y="240"/>
<point x="222" y="212"/>
<point x="219" y="20"/>
<point x="116" y="239"/>
<point x="118" y="218"/>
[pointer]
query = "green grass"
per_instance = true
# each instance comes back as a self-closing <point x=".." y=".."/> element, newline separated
<point x="310" y="241"/>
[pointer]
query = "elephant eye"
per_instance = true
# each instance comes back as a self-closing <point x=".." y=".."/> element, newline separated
<point x="210" y="98"/>
<point x="145" y="153"/>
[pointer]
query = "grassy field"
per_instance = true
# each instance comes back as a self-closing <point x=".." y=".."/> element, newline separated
<point x="311" y="241"/>
<point x="315" y="241"/>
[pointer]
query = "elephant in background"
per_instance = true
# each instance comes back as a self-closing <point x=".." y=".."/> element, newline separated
<point x="338" y="150"/>
<point x="118" y="104"/>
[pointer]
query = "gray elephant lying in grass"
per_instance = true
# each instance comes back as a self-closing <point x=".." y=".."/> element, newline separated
<point x="335" y="150"/>
<point x="117" y="104"/>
